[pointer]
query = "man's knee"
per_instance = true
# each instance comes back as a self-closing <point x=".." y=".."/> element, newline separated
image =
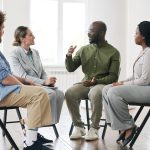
<point x="95" y="94"/>
<point x="69" y="93"/>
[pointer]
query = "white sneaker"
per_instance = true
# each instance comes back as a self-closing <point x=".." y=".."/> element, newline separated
<point x="92" y="135"/>
<point x="77" y="133"/>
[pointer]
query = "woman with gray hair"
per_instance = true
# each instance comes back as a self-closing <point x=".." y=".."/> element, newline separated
<point x="135" y="89"/>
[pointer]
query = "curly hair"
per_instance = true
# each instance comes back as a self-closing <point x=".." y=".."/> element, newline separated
<point x="2" y="17"/>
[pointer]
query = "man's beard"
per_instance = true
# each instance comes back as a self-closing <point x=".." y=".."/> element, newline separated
<point x="94" y="41"/>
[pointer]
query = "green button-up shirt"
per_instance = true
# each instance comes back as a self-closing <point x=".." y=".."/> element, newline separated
<point x="101" y="62"/>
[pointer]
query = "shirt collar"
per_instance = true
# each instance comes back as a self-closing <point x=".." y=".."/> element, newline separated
<point x="101" y="45"/>
<point x="27" y="52"/>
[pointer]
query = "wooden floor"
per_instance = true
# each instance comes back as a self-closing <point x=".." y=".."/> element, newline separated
<point x="64" y="143"/>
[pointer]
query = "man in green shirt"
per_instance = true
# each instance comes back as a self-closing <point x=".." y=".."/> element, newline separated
<point x="100" y="63"/>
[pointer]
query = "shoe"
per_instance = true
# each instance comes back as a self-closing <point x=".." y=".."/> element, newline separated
<point x="92" y="135"/>
<point x="121" y="137"/>
<point x="129" y="138"/>
<point x="77" y="133"/>
<point x="41" y="139"/>
<point x="36" y="146"/>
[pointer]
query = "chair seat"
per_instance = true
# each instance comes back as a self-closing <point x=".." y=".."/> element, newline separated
<point x="139" y="104"/>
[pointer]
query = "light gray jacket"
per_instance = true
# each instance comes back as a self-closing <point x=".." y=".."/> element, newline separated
<point x="141" y="69"/>
<point x="23" y="67"/>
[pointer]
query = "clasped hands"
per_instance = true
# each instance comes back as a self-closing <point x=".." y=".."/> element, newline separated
<point x="50" y="81"/>
<point x="89" y="83"/>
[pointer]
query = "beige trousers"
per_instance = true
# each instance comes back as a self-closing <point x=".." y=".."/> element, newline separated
<point x="36" y="100"/>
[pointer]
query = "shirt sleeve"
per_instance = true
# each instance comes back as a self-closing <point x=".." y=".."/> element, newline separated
<point x="73" y="63"/>
<point x="3" y="73"/>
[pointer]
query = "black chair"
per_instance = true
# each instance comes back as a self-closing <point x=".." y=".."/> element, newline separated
<point x="141" y="126"/>
<point x="8" y="135"/>
<point x="3" y="125"/>
<point x="18" y="114"/>
<point x="20" y="117"/>
<point x="88" y="120"/>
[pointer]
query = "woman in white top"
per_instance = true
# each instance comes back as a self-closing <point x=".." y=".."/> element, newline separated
<point x="134" y="89"/>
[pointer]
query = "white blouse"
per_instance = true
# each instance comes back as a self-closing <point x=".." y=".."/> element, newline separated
<point x="141" y="69"/>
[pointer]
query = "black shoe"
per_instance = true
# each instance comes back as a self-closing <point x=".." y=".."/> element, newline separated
<point x="36" y="146"/>
<point x="128" y="139"/>
<point x="121" y="137"/>
<point x="41" y="139"/>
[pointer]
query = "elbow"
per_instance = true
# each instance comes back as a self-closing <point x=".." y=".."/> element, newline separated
<point x="114" y="79"/>
<point x="69" y="69"/>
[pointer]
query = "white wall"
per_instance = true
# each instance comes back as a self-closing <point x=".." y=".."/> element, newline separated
<point x="1" y="4"/>
<point x="113" y="13"/>
<point x="138" y="10"/>
<point x="17" y="13"/>
<point x="120" y="16"/>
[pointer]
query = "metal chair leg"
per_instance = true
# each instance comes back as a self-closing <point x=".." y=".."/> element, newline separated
<point x="71" y="129"/>
<point x="20" y="117"/>
<point x="140" y="129"/>
<point x="8" y="135"/>
<point x="104" y="130"/>
<point x="87" y="114"/>
<point x="55" y="130"/>
<point x="138" y="113"/>
<point x="4" y="119"/>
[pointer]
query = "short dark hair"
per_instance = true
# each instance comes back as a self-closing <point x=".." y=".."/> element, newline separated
<point x="20" y="32"/>
<point x="2" y="17"/>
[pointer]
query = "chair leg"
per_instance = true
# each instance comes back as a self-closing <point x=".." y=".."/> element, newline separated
<point x="20" y="117"/>
<point x="55" y="130"/>
<point x="8" y="135"/>
<point x="104" y="130"/>
<point x="138" y="113"/>
<point x="4" y="119"/>
<point x="140" y="129"/>
<point x="71" y="129"/>
<point x="87" y="114"/>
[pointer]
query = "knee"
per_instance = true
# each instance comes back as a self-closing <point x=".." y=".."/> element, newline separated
<point x="105" y="89"/>
<point x="42" y="94"/>
<point x="52" y="95"/>
<point x="95" y="93"/>
<point x="41" y="91"/>
<point x="69" y="93"/>
<point x="113" y="94"/>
